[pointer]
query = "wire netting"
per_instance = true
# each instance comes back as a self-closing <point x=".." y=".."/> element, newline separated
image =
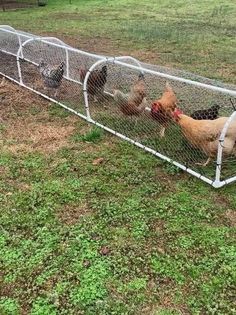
<point x="131" y="101"/>
<point x="145" y="128"/>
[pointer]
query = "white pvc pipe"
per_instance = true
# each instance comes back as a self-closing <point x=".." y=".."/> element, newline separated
<point x="57" y="45"/>
<point x="157" y="73"/>
<point x="229" y="180"/>
<point x="7" y="26"/>
<point x="62" y="45"/>
<point x="221" y="145"/>
<point x="36" y="64"/>
<point x="132" y="59"/>
<point x="45" y="96"/>
<point x="3" y="28"/>
<point x="7" y="52"/>
<point x="67" y="64"/>
<point x="171" y="77"/>
<point x="85" y="85"/>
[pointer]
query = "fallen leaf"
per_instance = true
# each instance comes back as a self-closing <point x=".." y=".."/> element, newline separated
<point x="86" y="263"/>
<point x="105" y="250"/>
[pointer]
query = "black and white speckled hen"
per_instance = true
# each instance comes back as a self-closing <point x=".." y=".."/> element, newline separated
<point x="52" y="75"/>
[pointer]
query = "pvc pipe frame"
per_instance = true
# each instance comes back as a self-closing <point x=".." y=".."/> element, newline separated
<point x="217" y="183"/>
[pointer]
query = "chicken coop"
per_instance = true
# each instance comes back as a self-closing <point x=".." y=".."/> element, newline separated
<point x="181" y="118"/>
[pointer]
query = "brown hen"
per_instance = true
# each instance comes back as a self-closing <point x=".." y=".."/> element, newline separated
<point x="134" y="102"/>
<point x="205" y="134"/>
<point x="162" y="109"/>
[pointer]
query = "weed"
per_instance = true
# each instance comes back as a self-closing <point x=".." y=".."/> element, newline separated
<point x="42" y="306"/>
<point x="94" y="135"/>
<point x="9" y="306"/>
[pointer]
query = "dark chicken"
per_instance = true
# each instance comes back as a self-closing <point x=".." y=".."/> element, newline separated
<point x="210" y="113"/>
<point x="51" y="75"/>
<point x="96" y="81"/>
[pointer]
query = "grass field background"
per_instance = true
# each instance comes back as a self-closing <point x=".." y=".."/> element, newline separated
<point x="129" y="235"/>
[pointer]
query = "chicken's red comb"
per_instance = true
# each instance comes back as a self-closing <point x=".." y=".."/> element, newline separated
<point x="178" y="112"/>
<point x="156" y="105"/>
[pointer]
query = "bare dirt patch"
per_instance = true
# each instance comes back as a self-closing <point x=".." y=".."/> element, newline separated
<point x="222" y="201"/>
<point x="231" y="217"/>
<point x="45" y="137"/>
<point x="14" y="101"/>
<point x="70" y="215"/>
<point x="26" y="132"/>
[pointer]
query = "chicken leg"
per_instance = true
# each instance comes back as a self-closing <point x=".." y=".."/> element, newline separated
<point x="56" y="93"/>
<point x="206" y="163"/>
<point x="162" y="132"/>
<point x="135" y="120"/>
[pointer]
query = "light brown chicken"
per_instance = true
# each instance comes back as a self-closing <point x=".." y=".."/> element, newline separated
<point x="205" y="134"/>
<point x="162" y="109"/>
<point x="134" y="102"/>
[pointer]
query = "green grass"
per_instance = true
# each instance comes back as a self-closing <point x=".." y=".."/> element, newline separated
<point x="170" y="240"/>
<point x="165" y="242"/>
<point x="94" y="135"/>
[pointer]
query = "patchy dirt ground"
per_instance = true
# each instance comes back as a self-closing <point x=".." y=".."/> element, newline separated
<point x="231" y="216"/>
<point x="104" y="45"/>
<point x="72" y="215"/>
<point x="26" y="121"/>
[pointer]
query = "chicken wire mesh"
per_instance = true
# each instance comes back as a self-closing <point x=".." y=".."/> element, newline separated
<point x="137" y="120"/>
<point x="138" y="102"/>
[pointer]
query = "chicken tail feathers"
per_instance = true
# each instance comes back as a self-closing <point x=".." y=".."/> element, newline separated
<point x="104" y="70"/>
